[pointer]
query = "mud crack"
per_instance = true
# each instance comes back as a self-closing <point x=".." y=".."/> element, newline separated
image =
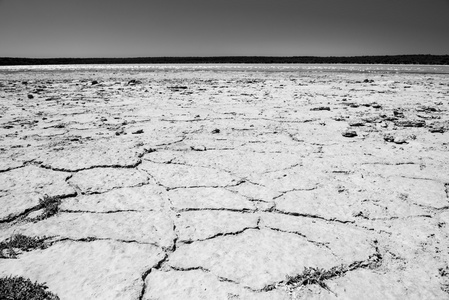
<point x="146" y="273"/>
<point x="221" y="234"/>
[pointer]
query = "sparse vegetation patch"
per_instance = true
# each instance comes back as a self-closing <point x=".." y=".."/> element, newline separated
<point x="319" y="276"/>
<point x="9" y="247"/>
<point x="19" y="288"/>
<point x="315" y="276"/>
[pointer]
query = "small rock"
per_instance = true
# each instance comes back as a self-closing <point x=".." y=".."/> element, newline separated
<point x="9" y="253"/>
<point x="134" y="82"/>
<point x="428" y="116"/>
<point x="198" y="148"/>
<point x="397" y="139"/>
<point x="356" y="123"/>
<point x="427" y="109"/>
<point x="215" y="131"/>
<point x="400" y="140"/>
<point x="437" y="129"/>
<point x="35" y="215"/>
<point x="177" y="88"/>
<point x="398" y="113"/>
<point x="138" y="131"/>
<point x="410" y="123"/>
<point x="371" y="119"/>
<point x="338" y="118"/>
<point x="389" y="138"/>
<point x="388" y="118"/>
<point x="321" y="108"/>
<point x="94" y="82"/>
<point x="30" y="96"/>
<point x="349" y="133"/>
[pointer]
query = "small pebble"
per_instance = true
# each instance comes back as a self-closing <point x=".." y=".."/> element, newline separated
<point x="349" y="133"/>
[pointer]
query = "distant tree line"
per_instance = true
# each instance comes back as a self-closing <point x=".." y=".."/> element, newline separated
<point x="391" y="59"/>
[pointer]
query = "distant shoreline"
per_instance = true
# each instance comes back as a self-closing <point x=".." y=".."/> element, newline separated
<point x="386" y="59"/>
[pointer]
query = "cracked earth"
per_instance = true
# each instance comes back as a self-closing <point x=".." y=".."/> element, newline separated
<point x="223" y="185"/>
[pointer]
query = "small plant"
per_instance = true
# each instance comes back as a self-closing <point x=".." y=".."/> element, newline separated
<point x="403" y="196"/>
<point x="444" y="273"/>
<point x="50" y="206"/>
<point x="19" y="288"/>
<point x="315" y="276"/>
<point x="445" y="288"/>
<point x="22" y="242"/>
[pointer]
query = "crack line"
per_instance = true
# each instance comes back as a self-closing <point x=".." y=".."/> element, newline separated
<point x="187" y="242"/>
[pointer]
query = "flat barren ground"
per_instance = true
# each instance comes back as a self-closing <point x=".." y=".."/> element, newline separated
<point x="226" y="185"/>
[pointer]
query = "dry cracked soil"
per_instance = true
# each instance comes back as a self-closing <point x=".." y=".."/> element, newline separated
<point x="226" y="185"/>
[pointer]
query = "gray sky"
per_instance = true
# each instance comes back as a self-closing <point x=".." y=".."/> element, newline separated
<point x="130" y="28"/>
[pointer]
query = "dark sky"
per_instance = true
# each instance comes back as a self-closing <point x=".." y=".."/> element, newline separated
<point x="130" y="28"/>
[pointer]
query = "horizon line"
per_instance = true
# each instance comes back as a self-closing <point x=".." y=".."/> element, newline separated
<point x="408" y="59"/>
<point x="225" y="56"/>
